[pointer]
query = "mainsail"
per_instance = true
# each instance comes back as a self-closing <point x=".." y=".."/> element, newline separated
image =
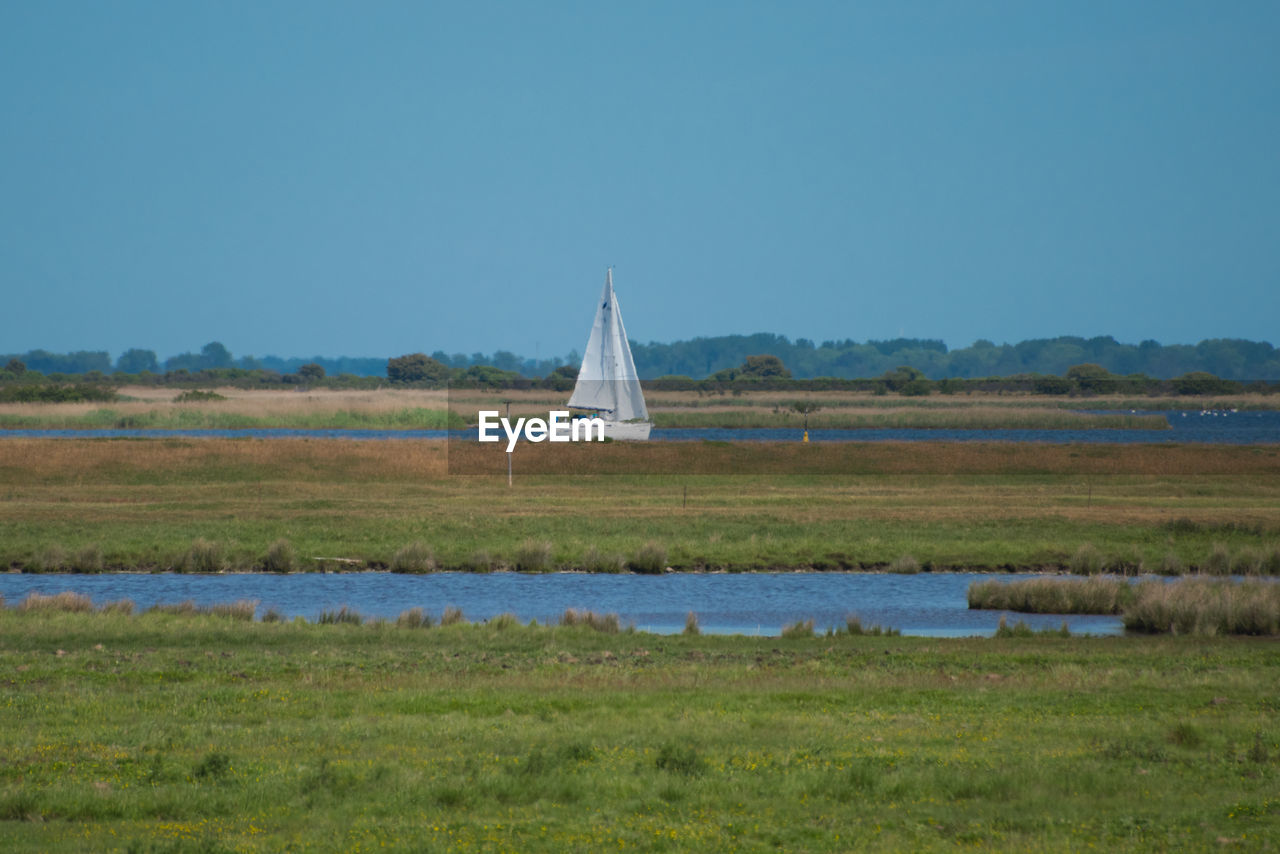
<point x="607" y="381"/>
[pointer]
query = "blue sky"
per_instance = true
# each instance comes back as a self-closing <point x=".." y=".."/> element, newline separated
<point x="371" y="179"/>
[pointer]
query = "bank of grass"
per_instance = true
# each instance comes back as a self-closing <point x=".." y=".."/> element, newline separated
<point x="953" y="418"/>
<point x="212" y="504"/>
<point x="1098" y="595"/>
<point x="1206" y="607"/>
<point x="172" y="732"/>
<point x="1199" y="606"/>
<point x="210" y="417"/>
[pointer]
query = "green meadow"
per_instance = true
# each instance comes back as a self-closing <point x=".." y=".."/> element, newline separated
<point x="161" y="732"/>
<point x="223" y="504"/>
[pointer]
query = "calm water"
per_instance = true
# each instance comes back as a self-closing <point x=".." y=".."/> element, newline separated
<point x="749" y="603"/>
<point x="1238" y="428"/>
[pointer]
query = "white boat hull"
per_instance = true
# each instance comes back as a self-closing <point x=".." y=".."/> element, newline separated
<point x="627" y="431"/>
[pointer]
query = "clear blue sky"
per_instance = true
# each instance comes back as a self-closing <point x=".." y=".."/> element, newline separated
<point x="371" y="179"/>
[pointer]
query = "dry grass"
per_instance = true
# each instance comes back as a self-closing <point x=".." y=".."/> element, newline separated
<point x="267" y="403"/>
<point x="604" y="623"/>
<point x="414" y="618"/>
<point x="66" y="601"/>
<point x="415" y="557"/>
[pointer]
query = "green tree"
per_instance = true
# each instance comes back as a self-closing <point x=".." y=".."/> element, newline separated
<point x="1092" y="378"/>
<point x="215" y="355"/>
<point x="135" y="361"/>
<point x="1201" y="382"/>
<point x="16" y="367"/>
<point x="900" y="376"/>
<point x="416" y="368"/>
<point x="762" y="367"/>
<point x="310" y="372"/>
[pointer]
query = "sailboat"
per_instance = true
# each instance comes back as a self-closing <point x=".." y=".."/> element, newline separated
<point x="607" y="382"/>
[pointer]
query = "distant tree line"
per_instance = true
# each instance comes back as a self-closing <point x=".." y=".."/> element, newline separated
<point x="719" y="359"/>
<point x="1228" y="358"/>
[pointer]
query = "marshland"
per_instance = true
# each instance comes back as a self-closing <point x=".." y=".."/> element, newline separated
<point x="225" y="726"/>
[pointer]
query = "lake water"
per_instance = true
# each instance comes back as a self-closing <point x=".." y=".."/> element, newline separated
<point x="931" y="604"/>
<point x="1194" y="426"/>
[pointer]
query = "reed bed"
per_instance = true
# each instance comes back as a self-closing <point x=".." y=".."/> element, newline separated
<point x="1096" y="595"/>
<point x="1205" y="607"/>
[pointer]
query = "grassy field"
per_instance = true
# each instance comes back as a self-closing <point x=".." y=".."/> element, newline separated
<point x="150" y="407"/>
<point x="156" y="504"/>
<point x="166" y="733"/>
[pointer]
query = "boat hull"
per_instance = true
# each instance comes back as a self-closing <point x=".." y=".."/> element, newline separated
<point x="627" y="431"/>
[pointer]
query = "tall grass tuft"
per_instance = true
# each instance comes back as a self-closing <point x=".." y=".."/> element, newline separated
<point x="273" y="615"/>
<point x="1019" y="629"/>
<point x="534" y="556"/>
<point x="480" y="561"/>
<point x="51" y="558"/>
<point x="1086" y="561"/>
<point x="798" y="629"/>
<point x="342" y="615"/>
<point x="853" y="626"/>
<point x="88" y="559"/>
<point x="1205" y="607"/>
<point x="1219" y="560"/>
<point x="414" y="618"/>
<point x="241" y="609"/>
<point x="415" y="557"/>
<point x="905" y="565"/>
<point x="604" y="623"/>
<point x="280" y="557"/>
<point x="1171" y="564"/>
<point x="185" y="608"/>
<point x="503" y="621"/>
<point x="203" y="556"/>
<point x="1271" y="561"/>
<point x="651" y="558"/>
<point x="452" y="616"/>
<point x="65" y="601"/>
<point x="597" y="561"/>
<point x="691" y="626"/>
<point x="124" y="607"/>
<point x="1247" y="561"/>
<point x="1052" y="595"/>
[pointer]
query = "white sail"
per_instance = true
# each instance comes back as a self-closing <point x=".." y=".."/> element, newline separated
<point x="607" y="381"/>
